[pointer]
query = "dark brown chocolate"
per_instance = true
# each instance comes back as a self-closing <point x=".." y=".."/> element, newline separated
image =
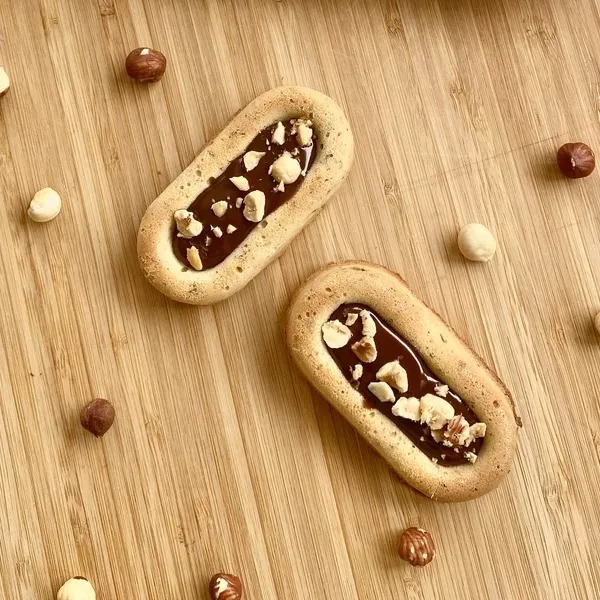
<point x="391" y="346"/>
<point x="213" y="250"/>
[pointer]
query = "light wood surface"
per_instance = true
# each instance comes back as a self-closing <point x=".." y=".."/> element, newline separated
<point x="222" y="457"/>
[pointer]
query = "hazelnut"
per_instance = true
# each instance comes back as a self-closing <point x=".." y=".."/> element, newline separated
<point x="218" y="232"/>
<point x="365" y="349"/>
<point x="304" y="134"/>
<point x="395" y="375"/>
<point x="335" y="334"/>
<point x="4" y="82"/>
<point x="278" y="136"/>
<point x="231" y="228"/>
<point x="251" y="159"/>
<point x="286" y="169"/>
<point x="382" y="391"/>
<point x="146" y="65"/>
<point x="357" y="372"/>
<point x="369" y="328"/>
<point x="435" y="411"/>
<point x="224" y="586"/>
<point x="441" y="389"/>
<point x="45" y="206"/>
<point x="416" y="547"/>
<point x="241" y="183"/>
<point x="351" y="319"/>
<point x="575" y="160"/>
<point x="77" y="588"/>
<point x="254" y="206"/>
<point x="187" y="225"/>
<point x="408" y="408"/>
<point x="98" y="416"/>
<point x="220" y="208"/>
<point x="193" y="256"/>
<point x="476" y="242"/>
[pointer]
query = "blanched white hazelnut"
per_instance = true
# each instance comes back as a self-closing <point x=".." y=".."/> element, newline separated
<point x="241" y="183"/>
<point x="476" y="242"/>
<point x="231" y="228"/>
<point x="193" y="257"/>
<point x="254" y="206"/>
<point x="220" y="208"/>
<point x="187" y="225"/>
<point x="435" y="411"/>
<point x="382" y="391"/>
<point x="46" y="205"/>
<point x="368" y="324"/>
<point x="218" y="232"/>
<point x="4" y="82"/>
<point x="286" y="169"/>
<point x="407" y="408"/>
<point x="77" y="588"/>
<point x="251" y="159"/>
<point x="304" y="134"/>
<point x="394" y="374"/>
<point x="278" y="136"/>
<point x="357" y="372"/>
<point x="335" y="334"/>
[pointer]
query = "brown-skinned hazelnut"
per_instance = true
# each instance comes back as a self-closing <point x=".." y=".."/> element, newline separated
<point x="98" y="416"/>
<point x="224" y="586"/>
<point x="146" y="65"/>
<point x="575" y="160"/>
<point x="416" y="547"/>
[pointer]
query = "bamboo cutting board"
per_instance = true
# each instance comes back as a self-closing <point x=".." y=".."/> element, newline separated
<point x="222" y="457"/>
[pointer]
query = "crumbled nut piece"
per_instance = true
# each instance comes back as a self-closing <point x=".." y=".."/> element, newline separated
<point x="231" y="228"/>
<point x="336" y="334"/>
<point x="407" y="408"/>
<point x="304" y="134"/>
<point x="187" y="225"/>
<point x="45" y="206"/>
<point x="286" y="169"/>
<point x="441" y="390"/>
<point x="4" y="82"/>
<point x="394" y="374"/>
<point x="416" y="547"/>
<point x="251" y="159"/>
<point x="477" y="430"/>
<point x="280" y="187"/>
<point x="218" y="232"/>
<point x="365" y="349"/>
<point x="278" y="136"/>
<point x="457" y="430"/>
<point x="241" y="183"/>
<point x="471" y="457"/>
<point x="435" y="411"/>
<point x="239" y="202"/>
<point x="382" y="391"/>
<point x="351" y="319"/>
<point x="77" y="588"/>
<point x="208" y="241"/>
<point x="357" y="372"/>
<point x="254" y="209"/>
<point x="368" y="324"/>
<point x="220" y="208"/>
<point x="193" y="257"/>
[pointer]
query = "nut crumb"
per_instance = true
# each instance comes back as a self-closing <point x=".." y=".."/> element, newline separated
<point x="193" y="257"/>
<point x="441" y="390"/>
<point x="408" y="408"/>
<point x="278" y="136"/>
<point x="239" y="202"/>
<point x="335" y="334"/>
<point x="187" y="225"/>
<point x="231" y="228"/>
<point x="382" y="391"/>
<point x="241" y="183"/>
<point x="286" y="169"/>
<point x="304" y="135"/>
<point x="394" y="374"/>
<point x="351" y="319"/>
<point x="357" y="372"/>
<point x="369" y="328"/>
<point x="220" y="208"/>
<point x="435" y="411"/>
<point x="280" y="187"/>
<point x="471" y="457"/>
<point x="365" y="349"/>
<point x="251" y="159"/>
<point x="254" y="209"/>
<point x="217" y="231"/>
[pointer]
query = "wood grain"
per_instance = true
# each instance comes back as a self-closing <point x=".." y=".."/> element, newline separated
<point x="222" y="457"/>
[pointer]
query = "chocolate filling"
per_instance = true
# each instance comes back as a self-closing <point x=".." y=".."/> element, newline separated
<point x="421" y="381"/>
<point x="213" y="250"/>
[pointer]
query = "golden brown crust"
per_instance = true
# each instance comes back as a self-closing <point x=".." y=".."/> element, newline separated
<point x="441" y="348"/>
<point x="333" y="161"/>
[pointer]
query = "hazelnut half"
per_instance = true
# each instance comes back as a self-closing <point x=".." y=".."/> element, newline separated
<point x="224" y="586"/>
<point x="98" y="416"/>
<point x="45" y="206"/>
<point x="146" y="65"/>
<point x="575" y="160"/>
<point x="416" y="547"/>
<point x="77" y="588"/>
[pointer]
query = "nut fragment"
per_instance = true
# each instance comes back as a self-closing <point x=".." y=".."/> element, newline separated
<point x="217" y="231"/>
<point x="416" y="547"/>
<point x="224" y="586"/>
<point x="304" y="134"/>
<point x="382" y="391"/>
<point x="335" y="334"/>
<point x="477" y="430"/>
<point x="241" y="183"/>
<point x="77" y="588"/>
<point x="251" y="159"/>
<point x="98" y="416"/>
<point x="286" y="169"/>
<point x="476" y="242"/>
<point x="575" y="160"/>
<point x="351" y="319"/>
<point x="435" y="411"/>
<point x="4" y="82"/>
<point x="394" y="374"/>
<point x="369" y="328"/>
<point x="146" y="65"/>
<point x="193" y="257"/>
<point x="278" y="136"/>
<point x="254" y="206"/>
<point x="365" y="349"/>
<point x="457" y="431"/>
<point x="408" y="408"/>
<point x="441" y="390"/>
<point x="187" y="225"/>
<point x="239" y="202"/>
<point x="471" y="457"/>
<point x="220" y="208"/>
<point x="357" y="372"/>
<point x="45" y="206"/>
<point x="231" y="228"/>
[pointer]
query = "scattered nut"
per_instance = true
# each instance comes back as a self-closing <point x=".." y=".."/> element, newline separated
<point x="304" y="134"/>
<point x="231" y="228"/>
<point x="416" y="547"/>
<point x="441" y="390"/>
<point x="365" y="349"/>
<point x="98" y="416"/>
<point x="457" y="431"/>
<point x="477" y="430"/>
<point x="471" y="457"/>
<point x="369" y="328"/>
<point x="382" y="391"/>
<point x="146" y="65"/>
<point x="278" y="136"/>
<point x="193" y="257"/>
<point x="239" y="202"/>
<point x="286" y="169"/>
<point x="187" y="225"/>
<point x="351" y="319"/>
<point x="597" y="322"/>
<point x="220" y="208"/>
<point x="575" y="160"/>
<point x="254" y="206"/>
<point x="476" y="242"/>
<point x="335" y="334"/>
<point x="435" y="411"/>
<point x="280" y="187"/>
<point x="408" y="408"/>
<point x="357" y="372"/>
<point x="218" y="232"/>
<point x="251" y="159"/>
<point x="241" y="183"/>
<point x="77" y="588"/>
<point x="4" y="82"/>
<point x="45" y="206"/>
<point x="394" y="374"/>
<point x="224" y="586"/>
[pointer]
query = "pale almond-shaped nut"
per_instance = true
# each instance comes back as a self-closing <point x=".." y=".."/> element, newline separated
<point x="441" y="390"/>
<point x="187" y="225"/>
<point x="220" y="208"/>
<point x="77" y="588"/>
<point x="231" y="228"/>
<point x="252" y="158"/>
<point x="351" y="319"/>
<point x="217" y="232"/>
<point x="408" y="408"/>
<point x="365" y="349"/>
<point x="278" y="136"/>
<point x="336" y="334"/>
<point x="4" y="82"/>
<point x="357" y="372"/>
<point x="193" y="256"/>
<point x="241" y="183"/>
<point x="286" y="169"/>
<point x="476" y="242"/>
<point x="382" y="391"/>
<point x="369" y="329"/>
<point x="394" y="374"/>
<point x="254" y="206"/>
<point x="45" y="206"/>
<point x="435" y="411"/>
<point x="304" y="135"/>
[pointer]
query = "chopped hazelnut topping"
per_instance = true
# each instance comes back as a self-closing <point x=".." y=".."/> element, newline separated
<point x="408" y="408"/>
<point x="368" y="324"/>
<point x="208" y="241"/>
<point x="193" y="257"/>
<point x="336" y="334"/>
<point x="187" y="225"/>
<point x="351" y="319"/>
<point x="231" y="228"/>
<point x="280" y="187"/>
<point x="217" y="231"/>
<point x="252" y="158"/>
<point x="278" y="136"/>
<point x="239" y="202"/>
<point x="435" y="411"/>
<point x="286" y="169"/>
<point x="220" y="208"/>
<point x="254" y="209"/>
<point x="241" y="183"/>
<point x="357" y="372"/>
<point x="382" y="391"/>
<point x="457" y="431"/>
<point x="365" y="349"/>
<point x="304" y="134"/>
<point x="471" y="457"/>
<point x="441" y="390"/>
<point x="477" y="430"/>
<point x="394" y="374"/>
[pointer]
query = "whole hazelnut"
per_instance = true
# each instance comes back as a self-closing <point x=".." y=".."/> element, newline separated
<point x="575" y="160"/>
<point x="224" y="586"/>
<point x="77" y="588"/>
<point x="4" y="82"/>
<point x="98" y="416"/>
<point x="45" y="206"/>
<point x="476" y="242"/>
<point x="416" y="547"/>
<point x="146" y="65"/>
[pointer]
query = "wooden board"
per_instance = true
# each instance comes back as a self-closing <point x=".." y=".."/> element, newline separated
<point x="222" y="456"/>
